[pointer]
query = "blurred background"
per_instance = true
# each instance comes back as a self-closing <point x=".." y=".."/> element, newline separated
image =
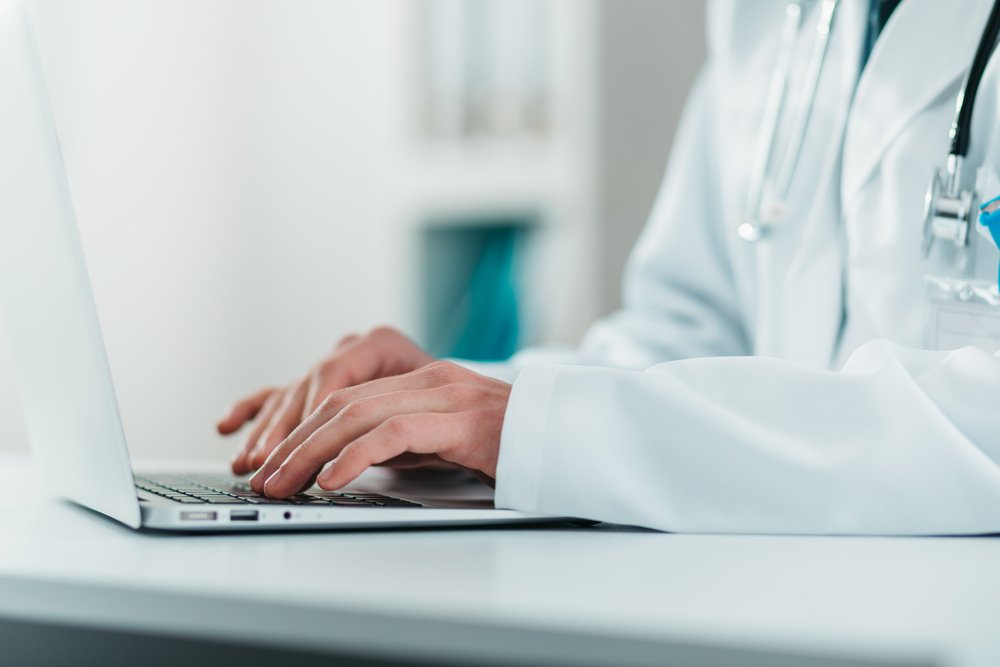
<point x="254" y="179"/>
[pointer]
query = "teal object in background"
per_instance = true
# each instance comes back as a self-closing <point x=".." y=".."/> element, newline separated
<point x="493" y="317"/>
<point x="472" y="287"/>
<point x="989" y="217"/>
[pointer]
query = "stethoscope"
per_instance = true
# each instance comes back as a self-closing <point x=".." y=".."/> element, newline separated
<point x="766" y="196"/>
<point x="948" y="208"/>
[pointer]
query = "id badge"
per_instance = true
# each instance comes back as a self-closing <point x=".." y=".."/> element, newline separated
<point x="962" y="312"/>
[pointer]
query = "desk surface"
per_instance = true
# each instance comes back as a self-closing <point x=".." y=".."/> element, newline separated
<point x="585" y="595"/>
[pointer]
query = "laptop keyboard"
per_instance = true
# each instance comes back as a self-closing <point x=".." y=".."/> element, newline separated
<point x="221" y="490"/>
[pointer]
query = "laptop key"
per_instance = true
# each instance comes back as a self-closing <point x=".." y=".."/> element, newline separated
<point x="220" y="490"/>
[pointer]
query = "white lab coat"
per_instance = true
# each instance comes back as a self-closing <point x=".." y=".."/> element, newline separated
<point x="781" y="387"/>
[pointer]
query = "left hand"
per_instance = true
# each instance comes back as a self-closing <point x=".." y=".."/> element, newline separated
<point x="441" y="412"/>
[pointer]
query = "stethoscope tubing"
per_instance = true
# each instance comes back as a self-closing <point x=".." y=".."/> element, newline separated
<point x="753" y="227"/>
<point x="756" y="221"/>
<point x="960" y="126"/>
<point x="807" y="101"/>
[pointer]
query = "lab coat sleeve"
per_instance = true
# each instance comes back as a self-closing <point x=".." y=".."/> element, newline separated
<point x="900" y="441"/>
<point x="680" y="296"/>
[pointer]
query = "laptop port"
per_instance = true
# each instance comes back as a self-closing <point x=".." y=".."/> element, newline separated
<point x="198" y="515"/>
<point x="243" y="515"/>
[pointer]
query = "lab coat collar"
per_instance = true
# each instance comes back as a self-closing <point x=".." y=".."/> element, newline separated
<point x="926" y="46"/>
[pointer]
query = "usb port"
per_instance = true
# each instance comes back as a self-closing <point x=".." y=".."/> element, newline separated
<point x="243" y="515"/>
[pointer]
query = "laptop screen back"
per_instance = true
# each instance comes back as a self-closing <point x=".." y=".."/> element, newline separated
<point x="49" y="316"/>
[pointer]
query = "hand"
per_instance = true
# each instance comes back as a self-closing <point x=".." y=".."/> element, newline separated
<point x="275" y="412"/>
<point x="441" y="412"/>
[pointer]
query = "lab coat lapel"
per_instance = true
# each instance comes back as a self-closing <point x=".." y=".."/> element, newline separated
<point x="926" y="48"/>
<point x="813" y="286"/>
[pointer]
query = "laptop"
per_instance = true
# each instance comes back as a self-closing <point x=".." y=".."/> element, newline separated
<point x="71" y="411"/>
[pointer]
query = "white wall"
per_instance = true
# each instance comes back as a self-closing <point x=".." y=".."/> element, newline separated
<point x="226" y="162"/>
<point x="650" y="53"/>
<point x="244" y="172"/>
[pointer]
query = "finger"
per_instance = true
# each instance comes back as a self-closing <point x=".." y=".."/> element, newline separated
<point x="439" y="374"/>
<point x="358" y="359"/>
<point x="423" y="434"/>
<point x="482" y="477"/>
<point x="354" y="362"/>
<point x="358" y="418"/>
<point x="240" y="463"/>
<point x="346" y="340"/>
<point x="409" y="461"/>
<point x="243" y="411"/>
<point x="396" y="352"/>
<point x="316" y="393"/>
<point x="286" y="417"/>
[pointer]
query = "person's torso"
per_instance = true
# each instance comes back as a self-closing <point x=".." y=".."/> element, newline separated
<point x="842" y="264"/>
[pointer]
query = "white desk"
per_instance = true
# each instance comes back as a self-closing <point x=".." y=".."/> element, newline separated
<point x="599" y="596"/>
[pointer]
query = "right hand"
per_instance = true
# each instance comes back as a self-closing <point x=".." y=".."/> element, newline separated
<point x="276" y="411"/>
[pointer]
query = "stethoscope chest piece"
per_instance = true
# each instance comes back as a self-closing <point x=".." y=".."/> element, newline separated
<point x="750" y="232"/>
<point x="948" y="209"/>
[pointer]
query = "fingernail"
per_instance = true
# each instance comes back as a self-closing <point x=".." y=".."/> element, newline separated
<point x="273" y="479"/>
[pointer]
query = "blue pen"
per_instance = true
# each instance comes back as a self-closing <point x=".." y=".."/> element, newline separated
<point x="989" y="217"/>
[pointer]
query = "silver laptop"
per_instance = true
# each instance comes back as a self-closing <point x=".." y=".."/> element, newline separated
<point x="68" y="396"/>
